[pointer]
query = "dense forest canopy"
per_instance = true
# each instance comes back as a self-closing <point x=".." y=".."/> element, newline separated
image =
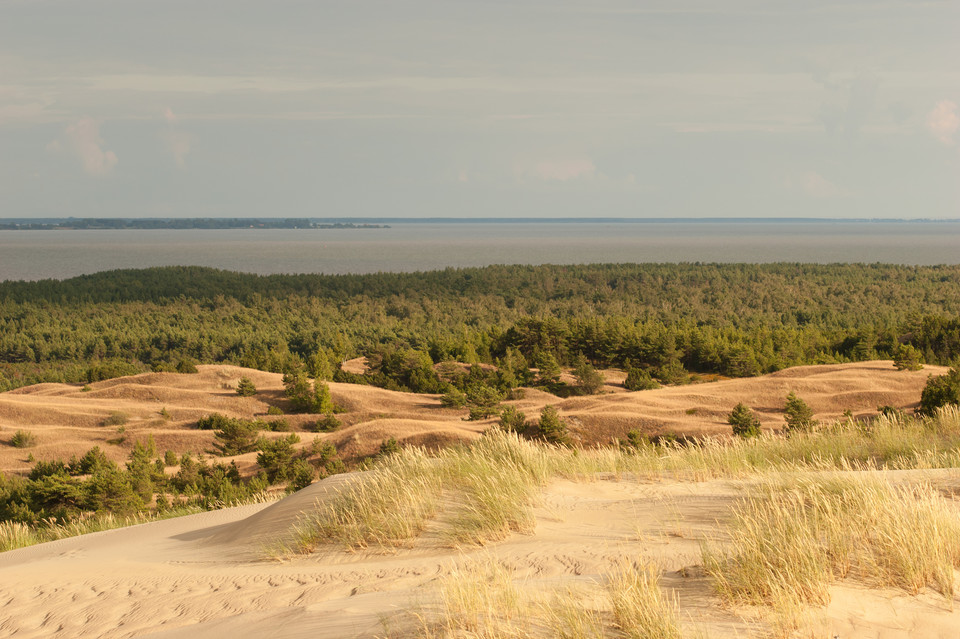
<point x="731" y="319"/>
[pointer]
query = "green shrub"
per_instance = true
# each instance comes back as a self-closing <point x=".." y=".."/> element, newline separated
<point x="186" y="366"/>
<point x="548" y="370"/>
<point x="907" y="358"/>
<point x="798" y="414"/>
<point x="276" y="457"/>
<point x="483" y="401"/>
<point x="512" y="419"/>
<point x="276" y="425"/>
<point x="274" y="410"/>
<point x="236" y="437"/>
<point x="328" y="424"/>
<point x="301" y="475"/>
<point x="638" y="380"/>
<point x="308" y="397"/>
<point x="111" y="369"/>
<point x="743" y="421"/>
<point x="92" y="461"/>
<point x="940" y="391"/>
<point x="23" y="439"/>
<point x="389" y="447"/>
<point x="589" y="380"/>
<point x="245" y="387"/>
<point x="635" y="440"/>
<point x="453" y="398"/>
<point x="116" y="418"/>
<point x="213" y="421"/>
<point x="551" y="428"/>
<point x="170" y="458"/>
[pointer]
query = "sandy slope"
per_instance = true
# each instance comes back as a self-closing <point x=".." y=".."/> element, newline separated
<point x="204" y="575"/>
<point x="67" y="420"/>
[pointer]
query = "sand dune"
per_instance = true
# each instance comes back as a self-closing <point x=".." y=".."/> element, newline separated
<point x="68" y="420"/>
<point x="208" y="575"/>
<point x="205" y="575"/>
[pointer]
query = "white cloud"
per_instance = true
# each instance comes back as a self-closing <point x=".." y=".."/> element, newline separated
<point x="943" y="121"/>
<point x="82" y="140"/>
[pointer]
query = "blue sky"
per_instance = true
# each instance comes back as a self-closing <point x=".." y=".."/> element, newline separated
<point x="671" y="108"/>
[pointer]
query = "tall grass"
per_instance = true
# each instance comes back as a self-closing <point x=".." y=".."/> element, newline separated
<point x="791" y="542"/>
<point x="488" y="490"/>
<point x="387" y="506"/>
<point x="15" y="535"/>
<point x="482" y="599"/>
<point x="640" y="607"/>
<point x="484" y="491"/>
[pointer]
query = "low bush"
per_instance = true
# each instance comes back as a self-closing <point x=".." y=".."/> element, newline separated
<point x="116" y="418"/>
<point x="328" y="424"/>
<point x="743" y="421"/>
<point x="23" y="439"/>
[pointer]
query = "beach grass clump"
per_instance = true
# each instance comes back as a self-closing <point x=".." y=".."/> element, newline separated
<point x="641" y="609"/>
<point x="14" y="534"/>
<point x="796" y="537"/>
<point x="486" y="490"/>
<point x="387" y="506"/>
<point x="482" y="598"/>
<point x="489" y="487"/>
<point x="495" y="482"/>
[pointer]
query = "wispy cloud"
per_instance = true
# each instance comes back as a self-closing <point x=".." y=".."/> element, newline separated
<point x="82" y="140"/>
<point x="943" y="121"/>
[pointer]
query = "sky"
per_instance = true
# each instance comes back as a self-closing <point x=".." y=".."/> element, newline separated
<point x="480" y="108"/>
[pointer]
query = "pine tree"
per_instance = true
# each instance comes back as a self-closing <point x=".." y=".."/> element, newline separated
<point x="550" y="427"/>
<point x="589" y="380"/>
<point x="907" y="358"/>
<point x="549" y="369"/>
<point x="245" y="387"/>
<point x="743" y="421"/>
<point x="799" y="416"/>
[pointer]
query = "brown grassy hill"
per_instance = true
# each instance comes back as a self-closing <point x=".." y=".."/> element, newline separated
<point x="113" y="414"/>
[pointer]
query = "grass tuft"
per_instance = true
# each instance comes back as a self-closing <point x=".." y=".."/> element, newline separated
<point x="790" y="543"/>
<point x="641" y="609"/>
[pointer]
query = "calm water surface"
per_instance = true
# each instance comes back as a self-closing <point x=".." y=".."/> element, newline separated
<point x="31" y="255"/>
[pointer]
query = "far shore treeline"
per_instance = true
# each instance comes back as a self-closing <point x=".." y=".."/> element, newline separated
<point x="668" y="320"/>
<point x="174" y="223"/>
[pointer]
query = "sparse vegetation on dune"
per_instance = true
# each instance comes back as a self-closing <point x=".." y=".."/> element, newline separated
<point x="495" y="481"/>
<point x="483" y="598"/>
<point x="798" y="535"/>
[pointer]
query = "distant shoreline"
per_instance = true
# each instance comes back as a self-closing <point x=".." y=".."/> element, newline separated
<point x="344" y="223"/>
<point x="177" y="224"/>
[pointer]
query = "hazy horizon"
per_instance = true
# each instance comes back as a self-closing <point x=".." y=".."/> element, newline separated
<point x="467" y="109"/>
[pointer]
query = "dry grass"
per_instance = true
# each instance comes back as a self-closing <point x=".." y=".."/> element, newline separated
<point x="387" y="506"/>
<point x="482" y="599"/>
<point x="490" y="485"/>
<point x="797" y="536"/>
<point x="16" y="535"/>
<point x="640" y="607"/>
